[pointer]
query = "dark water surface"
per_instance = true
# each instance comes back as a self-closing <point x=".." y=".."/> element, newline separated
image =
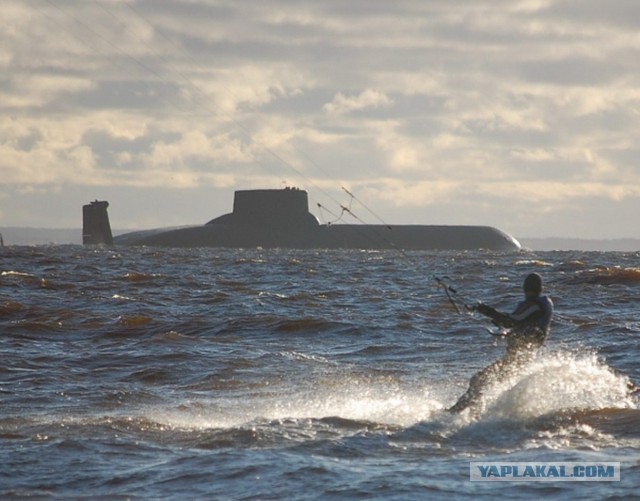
<point x="242" y="374"/>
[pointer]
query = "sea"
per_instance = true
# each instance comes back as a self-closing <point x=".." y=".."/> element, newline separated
<point x="157" y="373"/>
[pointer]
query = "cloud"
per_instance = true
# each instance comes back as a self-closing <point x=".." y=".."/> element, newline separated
<point x="33" y="91"/>
<point x="367" y="99"/>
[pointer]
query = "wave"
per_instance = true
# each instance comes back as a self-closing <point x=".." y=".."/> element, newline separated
<point x="608" y="275"/>
<point x="143" y="277"/>
<point x="275" y="324"/>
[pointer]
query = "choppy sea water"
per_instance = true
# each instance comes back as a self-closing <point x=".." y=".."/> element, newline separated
<point x="267" y="374"/>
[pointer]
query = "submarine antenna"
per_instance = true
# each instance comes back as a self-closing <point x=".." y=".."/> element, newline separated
<point x="323" y="208"/>
<point x="353" y="197"/>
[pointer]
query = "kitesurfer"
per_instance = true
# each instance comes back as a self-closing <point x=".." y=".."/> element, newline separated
<point x="526" y="330"/>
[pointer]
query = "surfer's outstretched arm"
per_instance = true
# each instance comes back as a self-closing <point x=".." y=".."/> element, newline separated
<point x="498" y="318"/>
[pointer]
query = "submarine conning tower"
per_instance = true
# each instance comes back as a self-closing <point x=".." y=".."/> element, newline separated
<point x="288" y="207"/>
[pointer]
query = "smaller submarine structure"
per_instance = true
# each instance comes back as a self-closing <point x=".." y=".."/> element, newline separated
<point x="280" y="218"/>
<point x="96" y="229"/>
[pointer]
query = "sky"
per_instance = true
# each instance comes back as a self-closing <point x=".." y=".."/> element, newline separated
<point x="519" y="114"/>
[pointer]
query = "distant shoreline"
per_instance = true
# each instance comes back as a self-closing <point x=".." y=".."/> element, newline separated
<point x="73" y="236"/>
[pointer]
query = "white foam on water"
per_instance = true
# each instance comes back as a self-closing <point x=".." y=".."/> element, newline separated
<point x="376" y="402"/>
<point x="556" y="382"/>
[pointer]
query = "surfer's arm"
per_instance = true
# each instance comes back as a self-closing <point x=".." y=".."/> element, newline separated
<point x="498" y="318"/>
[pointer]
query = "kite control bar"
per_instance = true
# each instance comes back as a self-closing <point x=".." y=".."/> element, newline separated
<point x="453" y="296"/>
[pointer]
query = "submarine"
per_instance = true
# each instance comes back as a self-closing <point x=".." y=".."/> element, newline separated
<point x="280" y="218"/>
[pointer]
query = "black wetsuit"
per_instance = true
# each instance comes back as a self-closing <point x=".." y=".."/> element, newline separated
<point x="529" y="326"/>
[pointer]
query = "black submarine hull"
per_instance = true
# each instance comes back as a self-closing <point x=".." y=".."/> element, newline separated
<point x="341" y="236"/>
<point x="280" y="219"/>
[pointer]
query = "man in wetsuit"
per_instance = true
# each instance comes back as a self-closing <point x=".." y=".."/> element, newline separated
<point x="528" y="328"/>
